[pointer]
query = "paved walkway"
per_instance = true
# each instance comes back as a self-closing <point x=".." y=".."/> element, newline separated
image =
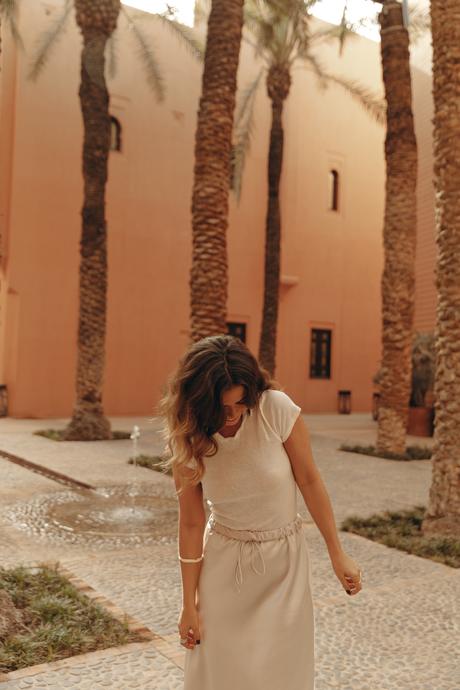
<point x="400" y="632"/>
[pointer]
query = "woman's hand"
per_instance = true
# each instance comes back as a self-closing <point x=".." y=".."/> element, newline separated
<point x="189" y="626"/>
<point x="348" y="572"/>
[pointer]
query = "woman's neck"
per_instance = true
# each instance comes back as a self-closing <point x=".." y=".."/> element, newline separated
<point x="231" y="430"/>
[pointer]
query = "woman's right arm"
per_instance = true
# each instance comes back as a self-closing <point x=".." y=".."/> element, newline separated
<point x="192" y="522"/>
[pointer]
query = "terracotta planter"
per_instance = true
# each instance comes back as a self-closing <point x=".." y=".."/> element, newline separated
<point x="421" y="421"/>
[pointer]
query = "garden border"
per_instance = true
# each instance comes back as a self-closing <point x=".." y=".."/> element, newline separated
<point x="161" y="643"/>
<point x="46" y="472"/>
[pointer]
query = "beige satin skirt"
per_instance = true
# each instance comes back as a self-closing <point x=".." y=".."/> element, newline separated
<point x="256" y="611"/>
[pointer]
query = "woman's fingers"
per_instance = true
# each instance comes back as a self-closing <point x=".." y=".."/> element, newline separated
<point x="353" y="583"/>
<point x="189" y="638"/>
<point x="194" y="635"/>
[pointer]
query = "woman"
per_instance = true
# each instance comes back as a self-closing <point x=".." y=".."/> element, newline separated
<point x="236" y="440"/>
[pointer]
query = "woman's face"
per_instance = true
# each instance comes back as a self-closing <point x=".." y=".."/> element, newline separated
<point x="232" y="400"/>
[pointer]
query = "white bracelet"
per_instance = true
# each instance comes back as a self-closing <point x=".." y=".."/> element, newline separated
<point x="190" y="560"/>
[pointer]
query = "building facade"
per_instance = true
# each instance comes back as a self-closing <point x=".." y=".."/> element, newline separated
<point x="332" y="213"/>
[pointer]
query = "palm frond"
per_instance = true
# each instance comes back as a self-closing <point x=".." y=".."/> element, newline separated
<point x="112" y="55"/>
<point x="338" y="32"/>
<point x="342" y="32"/>
<point x="343" y="29"/>
<point x="291" y="7"/>
<point x="242" y="133"/>
<point x="49" y="39"/>
<point x="245" y="100"/>
<point x="202" y="10"/>
<point x="271" y="23"/>
<point x="185" y="34"/>
<point x="147" y="57"/>
<point x="368" y="100"/>
<point x="283" y="38"/>
<point x="8" y="15"/>
<point x="261" y="28"/>
<point x="419" y="23"/>
<point x="257" y="51"/>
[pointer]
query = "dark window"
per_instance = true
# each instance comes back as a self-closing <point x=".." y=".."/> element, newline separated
<point x="333" y="190"/>
<point x="320" y="353"/>
<point x="237" y="329"/>
<point x="115" y="134"/>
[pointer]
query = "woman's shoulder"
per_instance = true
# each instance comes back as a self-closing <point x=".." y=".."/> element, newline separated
<point x="274" y="395"/>
<point x="279" y="412"/>
<point x="276" y="399"/>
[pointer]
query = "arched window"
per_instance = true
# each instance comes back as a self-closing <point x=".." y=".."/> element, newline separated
<point x="333" y="190"/>
<point x="115" y="134"/>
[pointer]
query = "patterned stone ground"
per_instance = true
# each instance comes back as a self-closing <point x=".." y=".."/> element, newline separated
<point x="142" y="669"/>
<point x="400" y="633"/>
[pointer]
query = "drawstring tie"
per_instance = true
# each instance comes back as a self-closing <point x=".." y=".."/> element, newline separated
<point x="255" y="547"/>
<point x="253" y="539"/>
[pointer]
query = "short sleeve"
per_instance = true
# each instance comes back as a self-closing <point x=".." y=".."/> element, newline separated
<point x="279" y="412"/>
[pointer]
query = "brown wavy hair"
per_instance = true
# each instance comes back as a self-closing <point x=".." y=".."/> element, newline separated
<point x="192" y="404"/>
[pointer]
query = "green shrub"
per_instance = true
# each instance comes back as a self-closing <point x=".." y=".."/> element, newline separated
<point x="57" y="434"/>
<point x="151" y="462"/>
<point x="412" y="452"/>
<point x="402" y="530"/>
<point x="59" y="621"/>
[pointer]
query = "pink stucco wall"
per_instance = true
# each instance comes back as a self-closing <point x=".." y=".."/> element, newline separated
<point x="336" y="258"/>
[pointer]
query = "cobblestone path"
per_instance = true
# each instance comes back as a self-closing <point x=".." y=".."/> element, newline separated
<point x="400" y="633"/>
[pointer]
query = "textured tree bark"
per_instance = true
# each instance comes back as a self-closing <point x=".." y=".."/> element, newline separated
<point x="443" y="513"/>
<point x="96" y="22"/>
<point x="278" y="86"/>
<point x="399" y="233"/>
<point x="213" y="141"/>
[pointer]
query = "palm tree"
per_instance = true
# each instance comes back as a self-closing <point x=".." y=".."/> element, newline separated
<point x="443" y="513"/>
<point x="399" y="232"/>
<point x="7" y="19"/>
<point x="97" y="22"/>
<point x="213" y="141"/>
<point x="281" y="32"/>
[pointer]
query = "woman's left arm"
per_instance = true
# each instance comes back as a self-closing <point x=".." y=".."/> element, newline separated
<point x="317" y="500"/>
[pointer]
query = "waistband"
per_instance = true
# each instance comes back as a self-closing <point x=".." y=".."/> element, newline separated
<point x="257" y="535"/>
<point x="252" y="539"/>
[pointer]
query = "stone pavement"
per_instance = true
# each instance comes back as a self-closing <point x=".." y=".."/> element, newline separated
<point x="400" y="632"/>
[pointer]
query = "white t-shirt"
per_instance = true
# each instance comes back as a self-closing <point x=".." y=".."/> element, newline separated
<point x="249" y="483"/>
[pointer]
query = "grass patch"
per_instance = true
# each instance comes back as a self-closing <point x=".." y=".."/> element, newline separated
<point x="58" y="621"/>
<point x="57" y="434"/>
<point x="412" y="452"/>
<point x="151" y="462"/>
<point x="402" y="530"/>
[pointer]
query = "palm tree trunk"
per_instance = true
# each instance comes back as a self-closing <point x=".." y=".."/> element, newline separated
<point x="208" y="279"/>
<point x="399" y="234"/>
<point x="96" y="24"/>
<point x="278" y="85"/>
<point x="443" y="513"/>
